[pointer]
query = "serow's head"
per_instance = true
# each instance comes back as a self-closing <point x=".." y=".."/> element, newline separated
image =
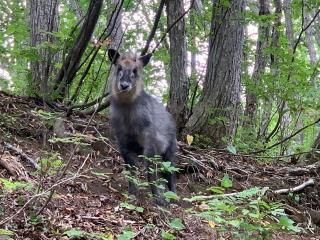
<point x="128" y="69"/>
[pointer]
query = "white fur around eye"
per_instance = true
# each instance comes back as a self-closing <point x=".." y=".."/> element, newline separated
<point x="132" y="75"/>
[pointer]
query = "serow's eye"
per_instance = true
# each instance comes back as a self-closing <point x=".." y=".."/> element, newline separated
<point x="120" y="72"/>
<point x="134" y="72"/>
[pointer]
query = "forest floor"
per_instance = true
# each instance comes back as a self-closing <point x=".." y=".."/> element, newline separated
<point x="90" y="200"/>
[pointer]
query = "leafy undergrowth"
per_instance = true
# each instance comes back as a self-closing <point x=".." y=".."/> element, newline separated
<point x="220" y="195"/>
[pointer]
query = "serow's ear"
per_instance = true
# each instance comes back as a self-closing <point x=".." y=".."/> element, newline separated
<point x="145" y="59"/>
<point x="113" y="55"/>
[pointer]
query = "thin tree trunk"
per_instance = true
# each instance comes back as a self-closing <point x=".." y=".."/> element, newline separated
<point x="263" y="132"/>
<point x="250" y="112"/>
<point x="287" y="9"/>
<point x="115" y="31"/>
<point x="68" y="70"/>
<point x="216" y="114"/>
<point x="316" y="28"/>
<point x="44" y="19"/>
<point x="179" y="84"/>
<point x="265" y="119"/>
<point x="309" y="41"/>
<point x="75" y="6"/>
<point x="314" y="155"/>
<point x="114" y="25"/>
<point x="193" y="60"/>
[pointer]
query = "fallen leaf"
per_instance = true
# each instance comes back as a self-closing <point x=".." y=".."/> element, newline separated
<point x="189" y="139"/>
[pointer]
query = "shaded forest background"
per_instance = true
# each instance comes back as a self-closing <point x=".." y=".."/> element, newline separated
<point x="243" y="74"/>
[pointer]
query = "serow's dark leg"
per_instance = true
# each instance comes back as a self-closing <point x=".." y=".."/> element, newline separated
<point x="154" y="175"/>
<point x="128" y="158"/>
<point x="169" y="156"/>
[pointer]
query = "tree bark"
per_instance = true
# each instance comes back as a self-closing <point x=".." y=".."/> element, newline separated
<point x="43" y="20"/>
<point x="115" y="32"/>
<point x="314" y="155"/>
<point x="114" y="25"/>
<point x="75" y="6"/>
<point x="309" y="42"/>
<point x="216" y="114"/>
<point x="250" y="112"/>
<point x="179" y="83"/>
<point x="287" y="9"/>
<point x="316" y="28"/>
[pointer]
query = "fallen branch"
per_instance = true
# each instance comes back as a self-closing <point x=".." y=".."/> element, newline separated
<point x="18" y="151"/>
<point x="14" y="167"/>
<point x="295" y="189"/>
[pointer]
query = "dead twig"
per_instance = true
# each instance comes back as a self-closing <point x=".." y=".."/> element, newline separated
<point x="295" y="189"/>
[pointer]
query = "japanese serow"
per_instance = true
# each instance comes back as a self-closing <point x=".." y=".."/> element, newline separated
<point x="141" y="124"/>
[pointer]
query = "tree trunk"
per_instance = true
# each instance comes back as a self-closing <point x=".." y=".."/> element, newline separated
<point x="179" y="83"/>
<point x="250" y="112"/>
<point x="114" y="25"/>
<point x="216" y="114"/>
<point x="316" y="28"/>
<point x="71" y="63"/>
<point x="316" y="144"/>
<point x="115" y="33"/>
<point x="75" y="6"/>
<point x="287" y="9"/>
<point x="265" y="120"/>
<point x="43" y="20"/>
<point x="193" y="60"/>
<point x="314" y="155"/>
<point x="309" y="41"/>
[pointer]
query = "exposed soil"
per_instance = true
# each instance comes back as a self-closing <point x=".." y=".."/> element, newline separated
<point x="92" y="201"/>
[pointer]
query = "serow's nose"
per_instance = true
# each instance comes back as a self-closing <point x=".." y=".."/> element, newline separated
<point x="124" y="86"/>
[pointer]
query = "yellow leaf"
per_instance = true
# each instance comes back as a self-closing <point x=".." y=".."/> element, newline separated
<point x="189" y="139"/>
<point x="212" y="224"/>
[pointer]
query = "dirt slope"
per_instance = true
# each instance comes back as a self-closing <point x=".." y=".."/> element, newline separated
<point x="94" y="200"/>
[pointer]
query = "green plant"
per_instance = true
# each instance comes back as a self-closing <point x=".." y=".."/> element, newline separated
<point x="167" y="236"/>
<point x="6" y="234"/>
<point x="50" y="164"/>
<point x="245" y="215"/>
<point x="132" y="207"/>
<point x="76" y="233"/>
<point x="126" y="234"/>
<point x="9" y="185"/>
<point x="155" y="166"/>
<point x="176" y="224"/>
